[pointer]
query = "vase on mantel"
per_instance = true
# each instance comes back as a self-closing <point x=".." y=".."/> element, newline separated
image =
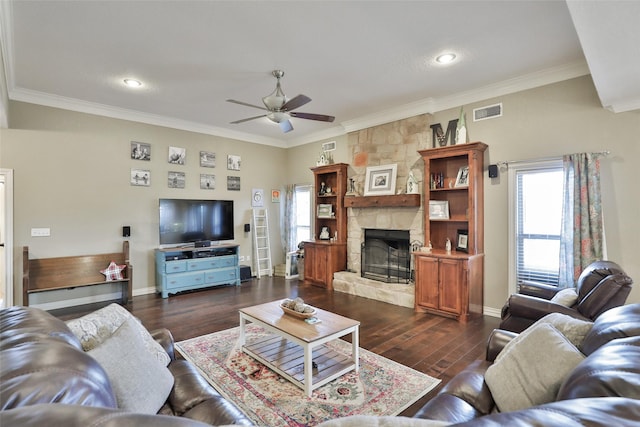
<point x="461" y="129"/>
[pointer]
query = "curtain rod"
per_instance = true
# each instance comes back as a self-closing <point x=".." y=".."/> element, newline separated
<point x="506" y="162"/>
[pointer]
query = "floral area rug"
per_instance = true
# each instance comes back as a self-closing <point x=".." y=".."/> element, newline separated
<point x="381" y="387"/>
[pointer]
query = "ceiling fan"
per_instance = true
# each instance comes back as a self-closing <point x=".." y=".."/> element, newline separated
<point x="280" y="109"/>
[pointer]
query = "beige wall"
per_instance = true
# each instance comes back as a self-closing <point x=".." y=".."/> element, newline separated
<point x="72" y="175"/>
<point x="557" y="119"/>
<point x="562" y="118"/>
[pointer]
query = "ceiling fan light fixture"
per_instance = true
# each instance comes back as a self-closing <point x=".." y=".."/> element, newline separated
<point x="278" y="117"/>
<point x="276" y="100"/>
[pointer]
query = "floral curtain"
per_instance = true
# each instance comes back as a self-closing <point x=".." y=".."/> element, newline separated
<point x="582" y="232"/>
<point x="288" y="219"/>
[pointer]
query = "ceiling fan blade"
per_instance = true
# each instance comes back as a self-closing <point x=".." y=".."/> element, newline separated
<point x="310" y="116"/>
<point x="247" y="119"/>
<point x="246" y="104"/>
<point x="295" y="102"/>
<point x="286" y="126"/>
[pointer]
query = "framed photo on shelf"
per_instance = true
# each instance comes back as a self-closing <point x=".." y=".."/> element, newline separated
<point x="438" y="209"/>
<point x="381" y="180"/>
<point x="325" y="211"/>
<point x="462" y="241"/>
<point x="462" y="180"/>
<point x="291" y="266"/>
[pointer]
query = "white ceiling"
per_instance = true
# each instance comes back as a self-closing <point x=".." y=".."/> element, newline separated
<point x="364" y="62"/>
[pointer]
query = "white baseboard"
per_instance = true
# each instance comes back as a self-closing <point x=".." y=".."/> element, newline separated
<point x="490" y="311"/>
<point x="77" y="301"/>
<point x="72" y="302"/>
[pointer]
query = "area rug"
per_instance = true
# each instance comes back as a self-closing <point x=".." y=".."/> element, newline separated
<point x="381" y="387"/>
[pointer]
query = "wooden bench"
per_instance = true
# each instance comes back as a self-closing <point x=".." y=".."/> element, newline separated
<point x="50" y="274"/>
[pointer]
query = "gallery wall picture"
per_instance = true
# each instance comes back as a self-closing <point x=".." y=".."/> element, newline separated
<point x="140" y="150"/>
<point x="177" y="155"/>
<point x="140" y="177"/>
<point x="233" y="183"/>
<point x="233" y="162"/>
<point x="257" y="197"/>
<point x="275" y="196"/>
<point x="207" y="159"/>
<point x="176" y="179"/>
<point x="207" y="181"/>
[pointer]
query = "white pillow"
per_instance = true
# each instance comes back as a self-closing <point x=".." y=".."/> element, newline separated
<point x="140" y="382"/>
<point x="96" y="327"/>
<point x="531" y="370"/>
<point x="566" y="297"/>
<point x="575" y="330"/>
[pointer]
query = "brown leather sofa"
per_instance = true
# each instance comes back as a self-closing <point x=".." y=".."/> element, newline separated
<point x="47" y="379"/>
<point x="600" y="287"/>
<point x="603" y="390"/>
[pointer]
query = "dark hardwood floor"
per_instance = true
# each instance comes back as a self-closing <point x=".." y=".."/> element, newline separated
<point x="437" y="346"/>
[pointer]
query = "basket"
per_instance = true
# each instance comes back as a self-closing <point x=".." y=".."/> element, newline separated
<point x="297" y="314"/>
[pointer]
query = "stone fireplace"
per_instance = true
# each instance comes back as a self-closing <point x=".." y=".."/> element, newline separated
<point x="392" y="143"/>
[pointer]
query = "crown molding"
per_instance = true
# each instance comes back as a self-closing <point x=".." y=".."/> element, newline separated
<point x="48" y="100"/>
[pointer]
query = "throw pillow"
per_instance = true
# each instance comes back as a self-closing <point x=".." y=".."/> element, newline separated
<point x="141" y="383"/>
<point x="113" y="271"/>
<point x="574" y="329"/>
<point x="566" y="297"/>
<point x="531" y="370"/>
<point x="94" y="328"/>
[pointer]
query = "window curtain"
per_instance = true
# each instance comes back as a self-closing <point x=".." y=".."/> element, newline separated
<point x="582" y="231"/>
<point x="288" y="219"/>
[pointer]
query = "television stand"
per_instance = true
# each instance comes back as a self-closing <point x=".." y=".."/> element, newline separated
<point x="185" y="269"/>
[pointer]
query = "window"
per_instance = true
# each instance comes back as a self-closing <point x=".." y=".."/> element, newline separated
<point x="536" y="194"/>
<point x="302" y="212"/>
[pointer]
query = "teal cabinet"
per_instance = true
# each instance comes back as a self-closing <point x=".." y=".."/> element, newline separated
<point x="184" y="269"/>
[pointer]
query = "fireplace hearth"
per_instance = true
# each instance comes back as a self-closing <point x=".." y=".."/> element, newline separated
<point x="385" y="256"/>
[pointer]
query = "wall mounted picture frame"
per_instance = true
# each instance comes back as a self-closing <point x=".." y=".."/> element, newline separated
<point x="207" y="181"/>
<point x="177" y="155"/>
<point x="438" y="209"/>
<point x="257" y="198"/>
<point x="462" y="180"/>
<point x="325" y="211"/>
<point x="381" y="180"/>
<point x="233" y="183"/>
<point x="140" y="177"/>
<point x="140" y="151"/>
<point x="233" y="162"/>
<point x="275" y="196"/>
<point x="462" y="241"/>
<point x="176" y="179"/>
<point x="207" y="159"/>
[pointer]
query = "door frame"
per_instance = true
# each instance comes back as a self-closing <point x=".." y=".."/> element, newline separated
<point x="7" y="178"/>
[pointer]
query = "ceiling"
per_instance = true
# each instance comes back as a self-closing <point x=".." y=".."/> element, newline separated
<point x="364" y="62"/>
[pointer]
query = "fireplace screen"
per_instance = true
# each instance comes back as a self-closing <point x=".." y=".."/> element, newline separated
<point x="385" y="256"/>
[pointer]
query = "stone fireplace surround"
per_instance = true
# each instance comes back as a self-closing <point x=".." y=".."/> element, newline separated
<point x="392" y="143"/>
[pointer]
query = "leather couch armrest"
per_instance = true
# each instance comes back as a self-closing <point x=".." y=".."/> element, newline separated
<point x="498" y="339"/>
<point x="164" y="337"/>
<point x="537" y="289"/>
<point x="533" y="308"/>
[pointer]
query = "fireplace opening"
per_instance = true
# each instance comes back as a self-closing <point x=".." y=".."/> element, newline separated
<point x="385" y="255"/>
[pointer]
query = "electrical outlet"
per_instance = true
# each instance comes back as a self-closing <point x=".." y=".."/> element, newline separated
<point x="241" y="258"/>
<point x="248" y="258"/>
<point x="40" y="232"/>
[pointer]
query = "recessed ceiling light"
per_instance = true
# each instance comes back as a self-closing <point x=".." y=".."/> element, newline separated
<point x="132" y="83"/>
<point x="445" y="58"/>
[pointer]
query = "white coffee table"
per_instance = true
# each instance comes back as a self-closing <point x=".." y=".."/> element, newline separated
<point x="296" y="349"/>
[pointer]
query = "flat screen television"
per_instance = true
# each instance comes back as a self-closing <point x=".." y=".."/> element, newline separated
<point x="185" y="221"/>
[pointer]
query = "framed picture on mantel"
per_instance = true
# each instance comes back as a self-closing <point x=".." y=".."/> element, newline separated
<point x="380" y="180"/>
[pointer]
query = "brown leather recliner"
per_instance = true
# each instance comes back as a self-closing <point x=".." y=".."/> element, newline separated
<point x="601" y="286"/>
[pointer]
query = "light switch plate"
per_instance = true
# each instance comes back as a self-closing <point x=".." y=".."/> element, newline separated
<point x="40" y="232"/>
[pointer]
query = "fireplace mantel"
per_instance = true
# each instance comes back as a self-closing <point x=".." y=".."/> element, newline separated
<point x="396" y="201"/>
